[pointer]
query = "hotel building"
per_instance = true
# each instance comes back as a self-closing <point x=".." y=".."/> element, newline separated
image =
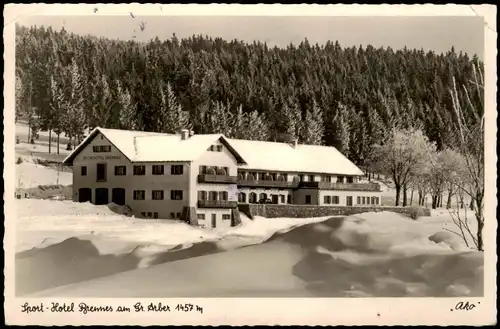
<point x="182" y="176"/>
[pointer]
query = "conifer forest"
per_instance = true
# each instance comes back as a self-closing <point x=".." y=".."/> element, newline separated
<point x="350" y="98"/>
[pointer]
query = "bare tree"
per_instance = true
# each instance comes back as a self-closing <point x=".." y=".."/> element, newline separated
<point x="469" y="142"/>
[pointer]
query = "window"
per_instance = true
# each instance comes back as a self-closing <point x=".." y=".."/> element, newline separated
<point x="219" y="148"/>
<point x="301" y="178"/>
<point x="150" y="214"/>
<point x="223" y="195"/>
<point x="288" y="199"/>
<point x="252" y="197"/>
<point x="84" y="171"/>
<point x="222" y="171"/>
<point x="139" y="194"/>
<point x="143" y="214"/>
<point x="212" y="196"/>
<point x="178" y="215"/>
<point x="350" y="180"/>
<point x="139" y="170"/>
<point x="308" y="199"/>
<point x="202" y="195"/>
<point x="311" y="178"/>
<point x="172" y="215"/>
<point x="340" y="179"/>
<point x="176" y="169"/>
<point x="327" y="199"/>
<point x="367" y="200"/>
<point x="203" y="170"/>
<point x="363" y="200"/>
<point x="157" y="195"/>
<point x="262" y="176"/>
<point x="358" y="200"/>
<point x="176" y="195"/>
<point x="120" y="170"/>
<point x="242" y="197"/>
<point x="158" y="169"/>
<point x="226" y="217"/>
<point x="335" y="199"/>
<point x="200" y="216"/>
<point x="282" y="198"/>
<point x="101" y="148"/>
<point x="285" y="177"/>
<point x="211" y="148"/>
<point x="101" y="172"/>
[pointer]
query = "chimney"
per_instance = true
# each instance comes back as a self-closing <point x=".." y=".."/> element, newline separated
<point x="184" y="134"/>
<point x="295" y="142"/>
<point x="191" y="133"/>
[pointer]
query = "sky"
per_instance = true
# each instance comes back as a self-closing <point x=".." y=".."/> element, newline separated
<point x="438" y="33"/>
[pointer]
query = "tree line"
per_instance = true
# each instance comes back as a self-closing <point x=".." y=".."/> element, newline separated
<point x="350" y="98"/>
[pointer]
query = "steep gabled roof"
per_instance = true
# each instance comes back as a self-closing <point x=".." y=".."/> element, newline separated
<point x="274" y="156"/>
<point x="140" y="146"/>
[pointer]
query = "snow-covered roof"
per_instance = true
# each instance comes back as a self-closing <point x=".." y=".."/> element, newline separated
<point x="274" y="156"/>
<point x="140" y="146"/>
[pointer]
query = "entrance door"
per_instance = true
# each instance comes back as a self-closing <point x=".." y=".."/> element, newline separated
<point x="101" y="196"/>
<point x="274" y="198"/>
<point x="214" y="220"/>
<point x="101" y="172"/>
<point x="349" y="201"/>
<point x="118" y="196"/>
<point x="84" y="195"/>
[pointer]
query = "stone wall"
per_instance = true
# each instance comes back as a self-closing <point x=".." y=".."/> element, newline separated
<point x="304" y="211"/>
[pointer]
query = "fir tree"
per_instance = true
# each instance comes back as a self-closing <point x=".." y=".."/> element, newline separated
<point x="313" y="126"/>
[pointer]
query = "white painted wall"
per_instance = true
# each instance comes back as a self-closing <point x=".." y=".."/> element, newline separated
<point x="220" y="223"/>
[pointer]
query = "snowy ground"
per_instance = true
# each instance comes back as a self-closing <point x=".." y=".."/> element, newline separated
<point x="46" y="224"/>
<point x="89" y="251"/>
<point x="29" y="173"/>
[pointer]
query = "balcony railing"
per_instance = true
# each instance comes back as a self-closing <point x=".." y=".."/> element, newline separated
<point x="267" y="183"/>
<point x="217" y="204"/>
<point x="365" y="187"/>
<point x="220" y="179"/>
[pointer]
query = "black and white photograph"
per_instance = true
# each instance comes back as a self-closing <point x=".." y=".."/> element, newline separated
<point x="157" y="157"/>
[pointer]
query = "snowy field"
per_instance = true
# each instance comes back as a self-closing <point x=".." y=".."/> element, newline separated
<point x="89" y="251"/>
<point x="29" y="173"/>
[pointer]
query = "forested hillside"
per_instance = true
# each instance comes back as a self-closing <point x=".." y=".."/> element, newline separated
<point x="350" y="98"/>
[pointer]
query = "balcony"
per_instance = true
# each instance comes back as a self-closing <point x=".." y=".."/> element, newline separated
<point x="267" y="183"/>
<point x="364" y="187"/>
<point x="217" y="179"/>
<point x="217" y="204"/>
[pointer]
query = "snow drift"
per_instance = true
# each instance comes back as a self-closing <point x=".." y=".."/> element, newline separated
<point x="367" y="255"/>
<point x="59" y="239"/>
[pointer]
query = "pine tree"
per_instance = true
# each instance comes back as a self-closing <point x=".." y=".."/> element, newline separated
<point x="128" y="118"/>
<point x="220" y="119"/>
<point x="342" y="129"/>
<point x="313" y="127"/>
<point x="19" y="97"/>
<point x="59" y="106"/>
<point x="104" y="101"/>
<point x="74" y="117"/>
<point x="172" y="118"/>
<point x="256" y="127"/>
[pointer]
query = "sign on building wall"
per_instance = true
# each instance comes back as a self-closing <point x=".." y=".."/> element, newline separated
<point x="102" y="157"/>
